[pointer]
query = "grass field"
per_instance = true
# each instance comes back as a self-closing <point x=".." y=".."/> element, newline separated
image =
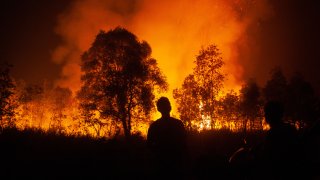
<point x="47" y="155"/>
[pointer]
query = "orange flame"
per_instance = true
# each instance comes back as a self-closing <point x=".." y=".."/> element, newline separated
<point x="176" y="30"/>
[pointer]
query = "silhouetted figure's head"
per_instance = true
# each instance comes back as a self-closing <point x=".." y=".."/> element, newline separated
<point x="163" y="106"/>
<point x="273" y="112"/>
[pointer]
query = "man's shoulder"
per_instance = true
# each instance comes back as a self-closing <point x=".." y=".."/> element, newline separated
<point x="177" y="121"/>
<point x="153" y="126"/>
<point x="173" y="118"/>
<point x="154" y="123"/>
<point x="157" y="122"/>
<point x="162" y="121"/>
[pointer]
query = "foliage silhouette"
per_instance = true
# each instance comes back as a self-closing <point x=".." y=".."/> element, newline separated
<point x="7" y="90"/>
<point x="188" y="102"/>
<point x="201" y="88"/>
<point x="302" y="103"/>
<point x="250" y="104"/>
<point x="209" y="77"/>
<point x="119" y="79"/>
<point x="297" y="95"/>
<point x="276" y="87"/>
<point x="229" y="107"/>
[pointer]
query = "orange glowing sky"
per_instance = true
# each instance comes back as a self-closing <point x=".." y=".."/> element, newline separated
<point x="44" y="40"/>
<point x="176" y="30"/>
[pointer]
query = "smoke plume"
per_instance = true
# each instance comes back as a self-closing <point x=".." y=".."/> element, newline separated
<point x="176" y="30"/>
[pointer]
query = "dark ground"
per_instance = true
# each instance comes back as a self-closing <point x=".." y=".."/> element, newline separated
<point x="34" y="154"/>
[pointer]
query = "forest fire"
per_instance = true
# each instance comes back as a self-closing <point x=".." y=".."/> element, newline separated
<point x="176" y="30"/>
<point x="185" y="38"/>
<point x="160" y="89"/>
<point x="57" y="109"/>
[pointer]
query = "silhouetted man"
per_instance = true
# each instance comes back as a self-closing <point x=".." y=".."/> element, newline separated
<point x="279" y="156"/>
<point x="311" y="151"/>
<point x="166" y="138"/>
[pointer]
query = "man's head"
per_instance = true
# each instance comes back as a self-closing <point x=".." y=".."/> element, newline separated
<point x="163" y="106"/>
<point x="273" y="112"/>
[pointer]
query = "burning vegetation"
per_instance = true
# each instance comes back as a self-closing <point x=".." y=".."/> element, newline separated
<point x="113" y="59"/>
<point x="120" y="81"/>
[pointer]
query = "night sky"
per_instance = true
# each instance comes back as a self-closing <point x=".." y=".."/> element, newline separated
<point x="289" y="39"/>
<point x="28" y="37"/>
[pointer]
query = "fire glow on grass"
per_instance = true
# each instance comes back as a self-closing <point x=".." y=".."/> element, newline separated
<point x="63" y="116"/>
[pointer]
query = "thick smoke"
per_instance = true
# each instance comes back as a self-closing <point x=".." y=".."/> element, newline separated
<point x="176" y="30"/>
<point x="289" y="39"/>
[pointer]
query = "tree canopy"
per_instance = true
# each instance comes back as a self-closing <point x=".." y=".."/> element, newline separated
<point x="119" y="79"/>
<point x="6" y="95"/>
<point x="198" y="94"/>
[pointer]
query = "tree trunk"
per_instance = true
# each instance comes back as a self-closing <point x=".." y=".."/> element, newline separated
<point x="126" y="129"/>
<point x="245" y="121"/>
<point x="124" y="116"/>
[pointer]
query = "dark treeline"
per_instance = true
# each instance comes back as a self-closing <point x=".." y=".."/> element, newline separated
<point x="243" y="109"/>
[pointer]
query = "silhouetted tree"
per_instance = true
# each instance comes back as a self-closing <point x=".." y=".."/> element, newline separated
<point x="198" y="94"/>
<point x="119" y="78"/>
<point x="6" y="95"/>
<point x="31" y="92"/>
<point x="302" y="103"/>
<point x="188" y="102"/>
<point x="209" y="77"/>
<point x="297" y="95"/>
<point x="31" y="104"/>
<point x="229" y="107"/>
<point x="250" y="103"/>
<point x="276" y="87"/>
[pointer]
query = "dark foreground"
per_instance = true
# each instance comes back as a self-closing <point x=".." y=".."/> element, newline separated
<point x="34" y="154"/>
